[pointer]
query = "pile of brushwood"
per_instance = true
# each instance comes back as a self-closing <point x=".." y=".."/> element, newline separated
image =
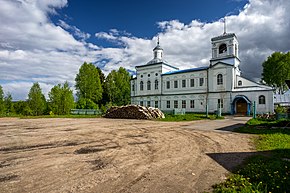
<point x="134" y="112"/>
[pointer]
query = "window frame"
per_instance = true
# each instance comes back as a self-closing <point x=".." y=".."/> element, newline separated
<point x="168" y="84"/>
<point x="219" y="79"/>
<point x="201" y="81"/>
<point x="141" y="85"/>
<point x="192" y="104"/>
<point x="221" y="103"/>
<point x="175" y="84"/>
<point x="223" y="48"/>
<point x="148" y="103"/>
<point x="156" y="104"/>
<point x="183" y="83"/>
<point x="168" y="104"/>
<point x="148" y="85"/>
<point x="175" y="104"/>
<point x="262" y="100"/>
<point x="192" y="82"/>
<point x="183" y="104"/>
<point x="156" y="83"/>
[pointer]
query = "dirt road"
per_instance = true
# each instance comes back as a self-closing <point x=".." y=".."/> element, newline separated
<point x="105" y="155"/>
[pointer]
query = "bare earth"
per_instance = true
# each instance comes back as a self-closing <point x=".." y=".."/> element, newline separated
<point x="106" y="155"/>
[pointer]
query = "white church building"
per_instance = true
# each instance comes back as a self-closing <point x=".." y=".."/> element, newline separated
<point x="161" y="85"/>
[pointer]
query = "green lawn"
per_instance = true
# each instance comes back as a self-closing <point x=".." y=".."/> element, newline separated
<point x="268" y="172"/>
<point x="59" y="116"/>
<point x="188" y="117"/>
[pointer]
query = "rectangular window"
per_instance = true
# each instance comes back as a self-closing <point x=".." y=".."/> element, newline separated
<point x="175" y="84"/>
<point x="168" y="104"/>
<point x="220" y="103"/>
<point x="148" y="104"/>
<point x="176" y="104"/>
<point x="183" y="83"/>
<point x="191" y="82"/>
<point x="183" y="104"/>
<point x="133" y="87"/>
<point x="201" y="80"/>
<point x="156" y="104"/>
<point x="141" y="103"/>
<point x="192" y="104"/>
<point x="168" y="84"/>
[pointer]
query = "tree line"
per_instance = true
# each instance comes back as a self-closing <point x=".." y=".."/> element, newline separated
<point x="276" y="69"/>
<point x="93" y="91"/>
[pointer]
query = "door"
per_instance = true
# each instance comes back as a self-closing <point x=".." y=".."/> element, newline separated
<point x="242" y="106"/>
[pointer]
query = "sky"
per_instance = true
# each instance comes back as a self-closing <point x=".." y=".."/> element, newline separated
<point x="47" y="41"/>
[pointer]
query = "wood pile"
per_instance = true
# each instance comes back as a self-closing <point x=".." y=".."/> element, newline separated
<point x="134" y="112"/>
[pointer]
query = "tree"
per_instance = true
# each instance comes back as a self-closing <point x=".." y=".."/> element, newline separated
<point x="22" y="108"/>
<point x="118" y="86"/>
<point x="86" y="104"/>
<point x="61" y="99"/>
<point x="276" y="69"/>
<point x="88" y="84"/>
<point x="105" y="97"/>
<point x="1" y="100"/>
<point x="36" y="100"/>
<point x="8" y="105"/>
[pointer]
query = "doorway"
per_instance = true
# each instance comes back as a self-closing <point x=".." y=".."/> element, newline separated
<point x="241" y="106"/>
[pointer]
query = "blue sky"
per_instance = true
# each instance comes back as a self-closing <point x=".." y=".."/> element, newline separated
<point x="140" y="18"/>
<point x="47" y="41"/>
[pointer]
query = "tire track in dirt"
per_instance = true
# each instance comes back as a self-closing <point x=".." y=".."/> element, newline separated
<point x="101" y="155"/>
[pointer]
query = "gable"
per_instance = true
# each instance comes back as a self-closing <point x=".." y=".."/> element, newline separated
<point x="220" y="65"/>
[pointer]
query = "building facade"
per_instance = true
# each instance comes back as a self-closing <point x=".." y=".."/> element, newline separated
<point x="202" y="89"/>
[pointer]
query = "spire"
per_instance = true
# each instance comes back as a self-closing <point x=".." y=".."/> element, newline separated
<point x="158" y="51"/>
<point x="158" y="41"/>
<point x="225" y="27"/>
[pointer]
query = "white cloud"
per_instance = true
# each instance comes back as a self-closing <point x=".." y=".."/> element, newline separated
<point x="262" y="27"/>
<point x="76" y="31"/>
<point x="32" y="48"/>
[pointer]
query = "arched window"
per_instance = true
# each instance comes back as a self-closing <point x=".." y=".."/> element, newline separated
<point x="148" y="85"/>
<point x="222" y="48"/>
<point x="219" y="79"/>
<point x="156" y="84"/>
<point x="240" y="83"/>
<point x="141" y="85"/>
<point x="262" y="99"/>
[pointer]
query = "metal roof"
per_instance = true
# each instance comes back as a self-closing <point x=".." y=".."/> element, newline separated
<point x="157" y="48"/>
<point x="227" y="35"/>
<point x="186" y="70"/>
<point x="157" y="61"/>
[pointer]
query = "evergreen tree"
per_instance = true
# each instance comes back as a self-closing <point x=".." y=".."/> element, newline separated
<point x="88" y="83"/>
<point x="61" y="99"/>
<point x="36" y="100"/>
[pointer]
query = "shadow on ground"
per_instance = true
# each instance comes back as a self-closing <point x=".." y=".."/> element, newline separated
<point x="230" y="127"/>
<point x="230" y="161"/>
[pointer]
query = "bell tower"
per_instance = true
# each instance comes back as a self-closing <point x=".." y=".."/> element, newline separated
<point x="225" y="48"/>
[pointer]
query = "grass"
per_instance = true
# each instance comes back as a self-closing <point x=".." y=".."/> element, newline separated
<point x="59" y="116"/>
<point x="269" y="172"/>
<point x="188" y="117"/>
